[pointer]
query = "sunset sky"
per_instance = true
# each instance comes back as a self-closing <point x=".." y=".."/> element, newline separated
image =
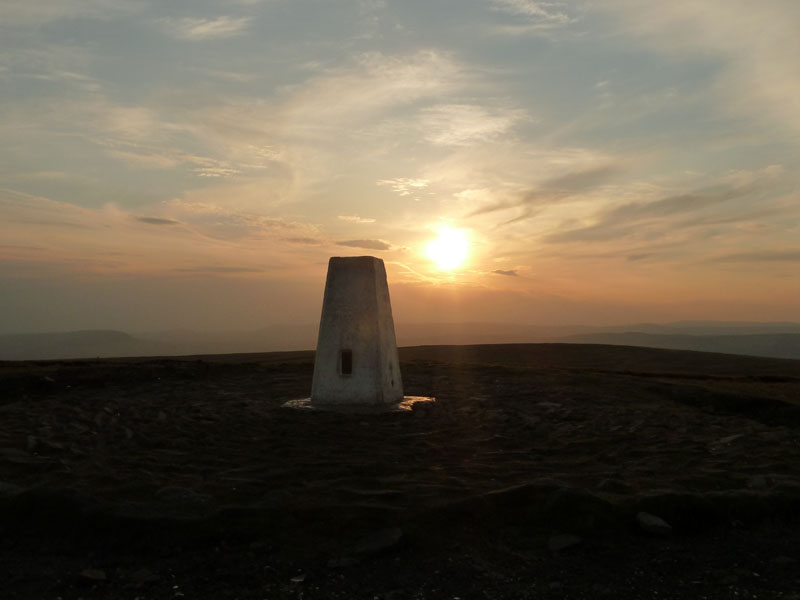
<point x="194" y="164"/>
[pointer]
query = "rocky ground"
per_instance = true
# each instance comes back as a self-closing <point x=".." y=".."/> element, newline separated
<point x="541" y="471"/>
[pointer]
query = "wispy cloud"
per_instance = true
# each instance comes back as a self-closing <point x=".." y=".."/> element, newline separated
<point x="214" y="269"/>
<point x="303" y="240"/>
<point x="761" y="256"/>
<point x="556" y="189"/>
<point x="217" y="169"/>
<point x="404" y="186"/>
<point x="22" y="12"/>
<point x="460" y="124"/>
<point x="230" y="223"/>
<point x="371" y="86"/>
<point x="305" y="131"/>
<point x="199" y="29"/>
<point x="367" y="244"/>
<point x="509" y="273"/>
<point x="534" y="9"/>
<point x="758" y="71"/>
<point x="665" y="216"/>
<point x="210" y="240"/>
<point x="142" y="147"/>
<point x="355" y="219"/>
<point x="19" y="208"/>
<point x="576" y="181"/>
<point x="66" y="66"/>
<point x="157" y="221"/>
<point x="536" y="16"/>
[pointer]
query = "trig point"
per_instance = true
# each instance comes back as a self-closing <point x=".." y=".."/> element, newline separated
<point x="356" y="360"/>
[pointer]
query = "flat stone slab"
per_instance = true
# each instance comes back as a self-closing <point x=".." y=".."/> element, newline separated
<point x="653" y="524"/>
<point x="407" y="405"/>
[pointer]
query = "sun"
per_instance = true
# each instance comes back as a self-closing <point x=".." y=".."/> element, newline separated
<point x="449" y="250"/>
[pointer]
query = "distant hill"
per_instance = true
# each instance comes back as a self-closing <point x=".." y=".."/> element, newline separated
<point x="612" y="358"/>
<point x="703" y="328"/>
<point x="776" y="345"/>
<point x="779" y="340"/>
<point x="76" y="344"/>
<point x="304" y="336"/>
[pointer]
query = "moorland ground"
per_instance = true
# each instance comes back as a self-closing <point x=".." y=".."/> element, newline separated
<point x="185" y="477"/>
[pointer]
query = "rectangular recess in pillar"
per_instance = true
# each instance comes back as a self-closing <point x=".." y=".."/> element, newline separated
<point x="346" y="362"/>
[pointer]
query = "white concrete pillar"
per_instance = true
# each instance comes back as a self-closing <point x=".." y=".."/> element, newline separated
<point x="356" y="360"/>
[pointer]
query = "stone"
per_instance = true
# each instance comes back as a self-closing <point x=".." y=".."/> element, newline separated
<point x="182" y="496"/>
<point x="614" y="486"/>
<point x="379" y="541"/>
<point x="356" y="360"/>
<point x="342" y="562"/>
<point x="20" y="457"/>
<point x="653" y="524"/>
<point x="561" y="542"/>
<point x="95" y="574"/>
<point x="729" y="439"/>
<point x="143" y="576"/>
<point x="9" y="489"/>
<point x="549" y="405"/>
<point x="758" y="482"/>
<point x="579" y="511"/>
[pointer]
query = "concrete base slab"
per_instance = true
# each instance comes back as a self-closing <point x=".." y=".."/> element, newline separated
<point x="407" y="405"/>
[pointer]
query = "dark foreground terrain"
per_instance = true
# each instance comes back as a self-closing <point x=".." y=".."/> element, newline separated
<point x="184" y="478"/>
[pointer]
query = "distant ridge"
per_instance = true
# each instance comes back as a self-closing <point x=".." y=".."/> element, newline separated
<point x="609" y="358"/>
<point x="76" y="344"/>
<point x="777" y="340"/>
<point x="706" y="328"/>
<point x="774" y="345"/>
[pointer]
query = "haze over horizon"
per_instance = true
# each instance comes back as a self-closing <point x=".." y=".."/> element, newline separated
<point x="194" y="165"/>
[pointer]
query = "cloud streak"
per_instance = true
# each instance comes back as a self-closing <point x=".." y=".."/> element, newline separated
<point x="463" y="124"/>
<point x="212" y="269"/>
<point x="404" y="186"/>
<point x="535" y="10"/>
<point x="157" y="221"/>
<point x="758" y="77"/>
<point x="556" y="189"/>
<point x="658" y="218"/>
<point x="366" y="244"/>
<point x="22" y="12"/>
<point x="355" y="219"/>
<point x="761" y="256"/>
<point x="200" y="29"/>
<point x="303" y="240"/>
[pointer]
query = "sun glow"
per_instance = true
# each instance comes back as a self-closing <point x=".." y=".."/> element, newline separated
<point x="449" y="250"/>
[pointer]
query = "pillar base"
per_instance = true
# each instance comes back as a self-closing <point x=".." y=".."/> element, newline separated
<point x="407" y="405"/>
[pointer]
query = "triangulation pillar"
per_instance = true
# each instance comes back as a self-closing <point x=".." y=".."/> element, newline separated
<point x="356" y="360"/>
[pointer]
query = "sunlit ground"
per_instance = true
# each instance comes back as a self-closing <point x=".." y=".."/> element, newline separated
<point x="449" y="249"/>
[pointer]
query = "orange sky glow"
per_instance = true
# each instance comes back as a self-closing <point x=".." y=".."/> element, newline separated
<point x="519" y="161"/>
